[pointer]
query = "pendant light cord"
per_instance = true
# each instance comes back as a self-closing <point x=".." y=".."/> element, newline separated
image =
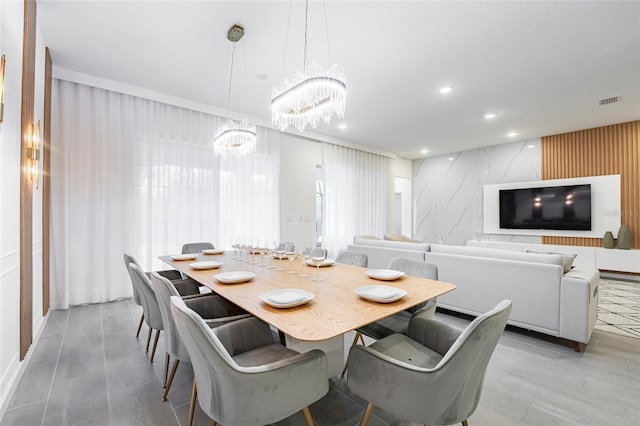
<point x="286" y="40"/>
<point x="233" y="57"/>
<point x="326" y="30"/>
<point x="306" y="24"/>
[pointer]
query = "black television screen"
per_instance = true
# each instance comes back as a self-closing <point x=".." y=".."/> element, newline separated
<point x="565" y="208"/>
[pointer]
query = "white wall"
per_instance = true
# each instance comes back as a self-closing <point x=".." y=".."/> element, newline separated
<point x="447" y="189"/>
<point x="11" y="46"/>
<point x="11" y="33"/>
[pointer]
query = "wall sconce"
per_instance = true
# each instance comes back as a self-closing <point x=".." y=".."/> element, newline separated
<point x="33" y="153"/>
<point x="2" y="62"/>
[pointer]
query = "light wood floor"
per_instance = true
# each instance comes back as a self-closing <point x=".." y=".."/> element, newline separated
<point x="89" y="369"/>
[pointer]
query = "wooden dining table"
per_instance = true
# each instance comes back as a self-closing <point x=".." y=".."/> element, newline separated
<point x="335" y="308"/>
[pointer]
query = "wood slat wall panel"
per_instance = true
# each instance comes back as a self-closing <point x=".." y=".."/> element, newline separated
<point x="26" y="185"/>
<point x="46" y="186"/>
<point x="601" y="151"/>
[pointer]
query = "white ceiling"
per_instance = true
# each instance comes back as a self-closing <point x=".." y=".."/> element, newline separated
<point x="542" y="66"/>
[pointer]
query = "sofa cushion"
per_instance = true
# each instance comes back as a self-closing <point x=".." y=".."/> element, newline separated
<point x="567" y="259"/>
<point x="552" y="259"/>
<point x="391" y="244"/>
<point x="400" y="237"/>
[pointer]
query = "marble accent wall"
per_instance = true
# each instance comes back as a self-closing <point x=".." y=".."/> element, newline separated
<point x="447" y="190"/>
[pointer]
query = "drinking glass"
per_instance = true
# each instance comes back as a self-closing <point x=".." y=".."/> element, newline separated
<point x="280" y="254"/>
<point x="234" y="245"/>
<point x="254" y="249"/>
<point x="272" y="252"/>
<point x="318" y="255"/>
<point x="264" y="249"/>
<point x="291" y="255"/>
<point x="304" y="255"/>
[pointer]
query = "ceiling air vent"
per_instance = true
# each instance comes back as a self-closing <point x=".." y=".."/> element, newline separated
<point x="609" y="100"/>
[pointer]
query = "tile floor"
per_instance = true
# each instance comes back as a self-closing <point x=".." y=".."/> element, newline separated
<point x="88" y="368"/>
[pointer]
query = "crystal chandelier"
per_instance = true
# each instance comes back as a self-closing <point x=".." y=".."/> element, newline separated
<point x="234" y="138"/>
<point x="310" y="95"/>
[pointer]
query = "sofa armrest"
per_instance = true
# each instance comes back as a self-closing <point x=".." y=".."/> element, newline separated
<point x="578" y="304"/>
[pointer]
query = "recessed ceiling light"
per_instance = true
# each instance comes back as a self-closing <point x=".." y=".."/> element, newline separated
<point x="531" y="146"/>
<point x="343" y="126"/>
<point x="451" y="158"/>
<point x="446" y="89"/>
<point x="261" y="75"/>
<point x="490" y="115"/>
<point x="424" y="151"/>
<point x="512" y="134"/>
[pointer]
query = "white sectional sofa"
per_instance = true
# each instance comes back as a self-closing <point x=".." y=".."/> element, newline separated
<point x="548" y="296"/>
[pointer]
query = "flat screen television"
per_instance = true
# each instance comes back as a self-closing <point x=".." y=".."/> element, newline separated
<point x="566" y="208"/>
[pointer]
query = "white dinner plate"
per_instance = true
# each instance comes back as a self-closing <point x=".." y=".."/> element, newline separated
<point x="234" y="277"/>
<point x="286" y="297"/>
<point x="206" y="265"/>
<point x="380" y="293"/>
<point x="184" y="256"/>
<point x="213" y="251"/>
<point x="326" y="262"/>
<point x="384" y="274"/>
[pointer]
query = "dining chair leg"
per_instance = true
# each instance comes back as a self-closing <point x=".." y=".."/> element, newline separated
<point x="173" y="373"/>
<point x="346" y="365"/>
<point x="366" y="415"/>
<point x="155" y="344"/>
<point x="167" y="357"/>
<point x="362" y="339"/>
<point x="307" y="416"/>
<point x="140" y="324"/>
<point x="148" y="340"/>
<point x="192" y="403"/>
<point x="355" y="342"/>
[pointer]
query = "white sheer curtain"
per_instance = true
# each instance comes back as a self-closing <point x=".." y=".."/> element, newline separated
<point x="138" y="176"/>
<point x="249" y="192"/>
<point x="357" y="194"/>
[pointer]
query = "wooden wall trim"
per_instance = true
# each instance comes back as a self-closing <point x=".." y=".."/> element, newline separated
<point x="600" y="151"/>
<point x="26" y="185"/>
<point x="46" y="181"/>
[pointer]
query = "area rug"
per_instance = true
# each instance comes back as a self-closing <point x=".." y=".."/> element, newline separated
<point x="619" y="307"/>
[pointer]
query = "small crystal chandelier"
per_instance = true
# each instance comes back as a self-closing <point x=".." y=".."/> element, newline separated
<point x="234" y="138"/>
<point x="310" y="95"/>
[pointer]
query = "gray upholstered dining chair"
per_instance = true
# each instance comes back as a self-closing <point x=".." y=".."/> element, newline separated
<point x="184" y="286"/>
<point x="242" y="377"/>
<point x="215" y="311"/>
<point x="433" y="375"/>
<point x="397" y="323"/>
<point x="192" y="248"/>
<point x="352" y="257"/>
